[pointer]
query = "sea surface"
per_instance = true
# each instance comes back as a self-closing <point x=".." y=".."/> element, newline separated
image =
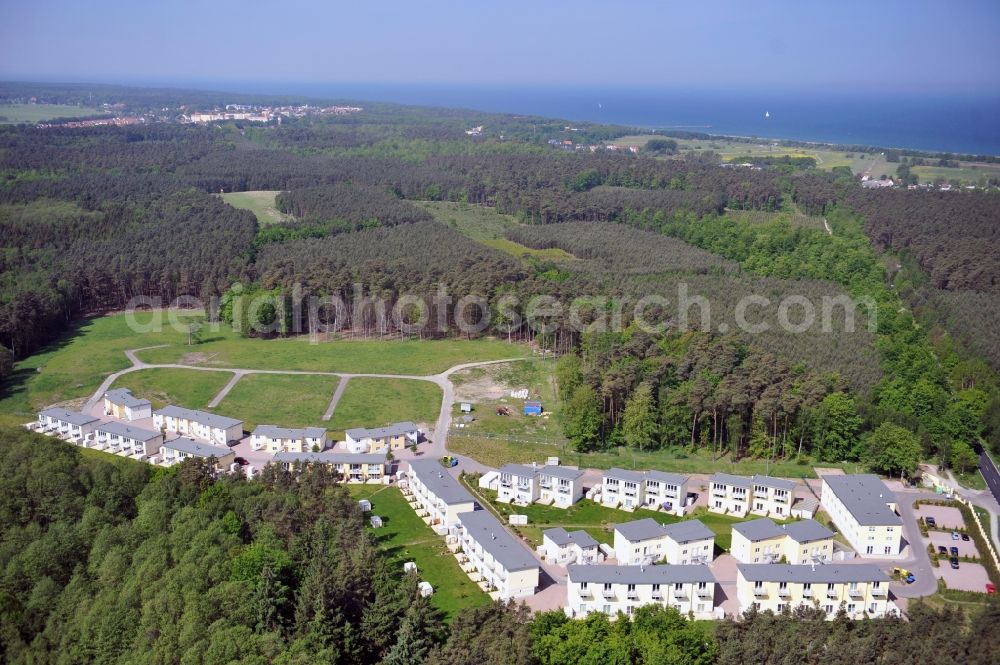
<point x="968" y="123"/>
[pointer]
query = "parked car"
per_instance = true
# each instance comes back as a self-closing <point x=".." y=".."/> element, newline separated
<point x="930" y="521"/>
<point x="942" y="549"/>
<point x="954" y="551"/>
<point x="242" y="461"/>
<point x="954" y="562"/>
<point x="990" y="588"/>
<point x="965" y="537"/>
<point x="954" y="535"/>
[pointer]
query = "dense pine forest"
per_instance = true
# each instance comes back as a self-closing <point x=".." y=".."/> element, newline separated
<point x="120" y="563"/>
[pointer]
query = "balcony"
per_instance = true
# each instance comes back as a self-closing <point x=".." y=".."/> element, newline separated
<point x="680" y="594"/>
<point x="707" y="592"/>
<point x="760" y="592"/>
<point x="878" y="591"/>
<point x="856" y="592"/>
<point x="831" y="592"/>
<point x="807" y="593"/>
<point x="633" y="594"/>
<point x="657" y="594"/>
<point x="608" y="593"/>
<point x="783" y="592"/>
<point x="585" y="592"/>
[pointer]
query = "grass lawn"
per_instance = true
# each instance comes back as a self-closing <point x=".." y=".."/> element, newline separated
<point x="370" y="402"/>
<point x="15" y="113"/>
<point x="184" y="387"/>
<point x="599" y="520"/>
<point x="972" y="480"/>
<point x="984" y="518"/>
<point x="224" y="348"/>
<point x="276" y="399"/>
<point x="496" y="452"/>
<point x="73" y="367"/>
<point x="405" y="537"/>
<point x="260" y="203"/>
<point x="487" y="226"/>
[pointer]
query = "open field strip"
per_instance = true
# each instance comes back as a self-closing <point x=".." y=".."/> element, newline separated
<point x="15" y="113"/>
<point x="261" y="203"/>
<point x="404" y="537"/>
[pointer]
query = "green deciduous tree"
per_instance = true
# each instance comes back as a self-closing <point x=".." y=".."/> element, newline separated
<point x="892" y="449"/>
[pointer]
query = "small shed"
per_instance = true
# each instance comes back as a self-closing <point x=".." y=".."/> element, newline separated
<point x="365" y="505"/>
<point x="466" y="407"/>
<point x="376" y="521"/>
<point x="532" y="408"/>
<point x="518" y="520"/>
<point x="410" y="567"/>
<point x="425" y="589"/>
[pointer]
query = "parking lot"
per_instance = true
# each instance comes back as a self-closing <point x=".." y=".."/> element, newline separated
<point x="965" y="547"/>
<point x="968" y="577"/>
<point x="946" y="516"/>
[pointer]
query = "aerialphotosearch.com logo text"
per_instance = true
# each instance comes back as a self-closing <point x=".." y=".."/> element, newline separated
<point x="265" y="313"/>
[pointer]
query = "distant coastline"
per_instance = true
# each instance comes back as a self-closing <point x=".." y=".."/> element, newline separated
<point x="967" y="124"/>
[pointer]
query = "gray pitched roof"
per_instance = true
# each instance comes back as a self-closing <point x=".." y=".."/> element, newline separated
<point x="275" y="432"/>
<point x="488" y="532"/>
<point x="829" y="573"/>
<point x="729" y="479"/>
<point x="807" y="503"/>
<point x="688" y="531"/>
<point x="806" y="531"/>
<point x="762" y="529"/>
<point x="121" y="429"/>
<point x="865" y="496"/>
<point x="395" y="429"/>
<point x="623" y="474"/>
<point x="563" y="472"/>
<point x="771" y="481"/>
<point x="440" y="482"/>
<point x="331" y="458"/>
<point x="192" y="447"/>
<point x="67" y="416"/>
<point x="522" y="470"/>
<point x="644" y="529"/>
<point x="562" y="537"/>
<point x="664" y="477"/>
<point x="203" y="417"/>
<point x="124" y="397"/>
<point x="663" y="574"/>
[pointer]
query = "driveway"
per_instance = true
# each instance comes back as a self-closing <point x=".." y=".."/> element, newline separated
<point x="918" y="561"/>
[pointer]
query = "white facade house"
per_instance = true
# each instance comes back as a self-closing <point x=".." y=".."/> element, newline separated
<point x="518" y="484"/>
<point x="666" y="491"/>
<point x="646" y="541"/>
<point x="623" y="489"/>
<point x="122" y="404"/>
<point x="276" y="439"/>
<point x="859" y="589"/>
<point x="729" y="495"/>
<point x="614" y="589"/>
<point x="70" y="425"/>
<point x="348" y="467"/>
<point x="122" y="439"/>
<point x="559" y="486"/>
<point x="564" y="547"/>
<point x="656" y="490"/>
<point x="555" y="485"/>
<point x="438" y="496"/>
<point x="864" y="510"/>
<point x="503" y="563"/>
<point x="391" y="437"/>
<point x="219" y="430"/>
<point x="763" y="541"/>
<point x="772" y="497"/>
<point x="177" y="450"/>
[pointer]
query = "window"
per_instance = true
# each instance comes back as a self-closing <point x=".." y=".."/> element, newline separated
<point x="872" y="608"/>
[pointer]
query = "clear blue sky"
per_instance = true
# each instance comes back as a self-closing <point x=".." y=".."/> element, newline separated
<point x="831" y="45"/>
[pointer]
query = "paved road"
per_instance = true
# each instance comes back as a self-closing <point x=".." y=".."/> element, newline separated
<point x="919" y="562"/>
<point x="221" y="395"/>
<point x="989" y="470"/>
<point x="337" y="394"/>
